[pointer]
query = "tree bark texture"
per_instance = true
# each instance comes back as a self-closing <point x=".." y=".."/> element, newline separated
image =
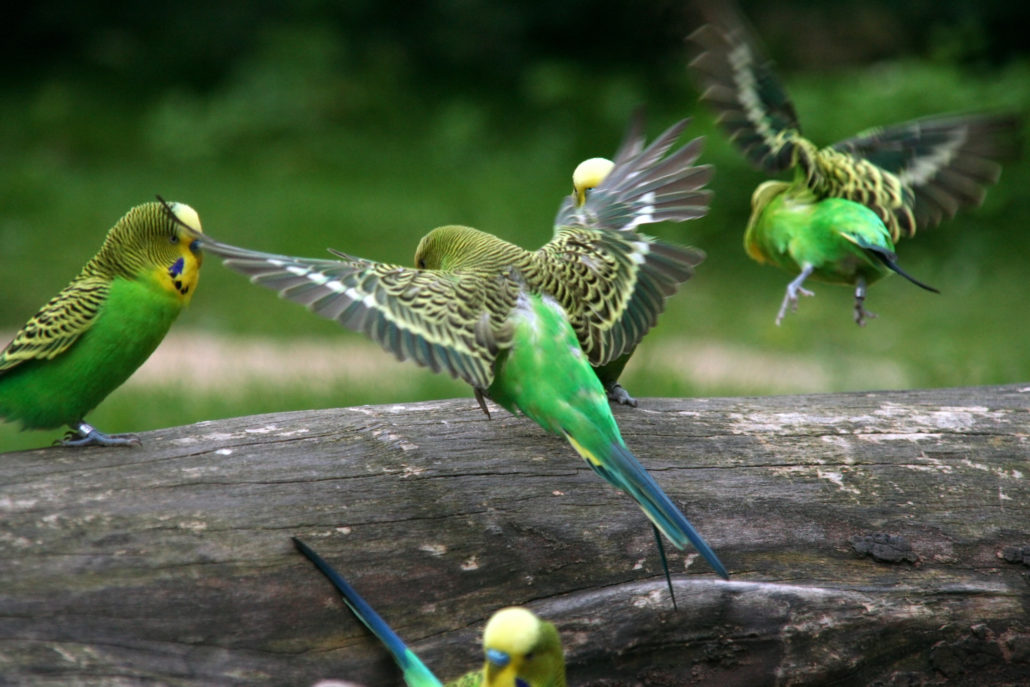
<point x="872" y="538"/>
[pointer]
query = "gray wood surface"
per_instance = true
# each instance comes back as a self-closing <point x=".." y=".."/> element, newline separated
<point x="872" y="538"/>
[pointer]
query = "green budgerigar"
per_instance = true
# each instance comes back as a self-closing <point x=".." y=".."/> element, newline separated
<point x="839" y="218"/>
<point x="88" y="339"/>
<point x="519" y="649"/>
<point x="527" y="328"/>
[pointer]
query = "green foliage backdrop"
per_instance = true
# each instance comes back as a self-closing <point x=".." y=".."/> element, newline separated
<point x="360" y="126"/>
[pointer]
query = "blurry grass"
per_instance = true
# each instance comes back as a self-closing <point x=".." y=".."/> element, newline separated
<point x="313" y="167"/>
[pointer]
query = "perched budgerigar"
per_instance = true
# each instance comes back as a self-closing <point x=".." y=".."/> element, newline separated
<point x="520" y="650"/>
<point x="837" y="221"/>
<point x="88" y="339"/>
<point x="527" y="328"/>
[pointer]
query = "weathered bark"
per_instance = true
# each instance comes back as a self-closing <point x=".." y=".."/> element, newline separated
<point x="172" y="563"/>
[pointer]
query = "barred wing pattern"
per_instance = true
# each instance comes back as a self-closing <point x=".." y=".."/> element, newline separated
<point x="944" y="162"/>
<point x="58" y="324"/>
<point x="750" y="103"/>
<point x="448" y="322"/>
<point x="612" y="285"/>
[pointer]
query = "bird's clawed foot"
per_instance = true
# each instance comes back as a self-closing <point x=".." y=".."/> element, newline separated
<point x="481" y="400"/>
<point x="794" y="289"/>
<point x="85" y="434"/>
<point x="861" y="314"/>
<point x="617" y="394"/>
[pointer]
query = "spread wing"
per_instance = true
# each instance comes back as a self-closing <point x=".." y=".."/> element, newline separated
<point x="613" y="285"/>
<point x="58" y="324"/>
<point x="449" y="322"/>
<point x="738" y="81"/>
<point x="943" y="163"/>
<point x="645" y="186"/>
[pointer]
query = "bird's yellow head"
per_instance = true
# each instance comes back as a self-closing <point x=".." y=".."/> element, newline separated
<point x="522" y="651"/>
<point x="156" y="242"/>
<point x="588" y="175"/>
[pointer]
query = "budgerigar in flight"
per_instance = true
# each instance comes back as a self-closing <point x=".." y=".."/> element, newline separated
<point x="839" y="218"/>
<point x="89" y="338"/>
<point x="520" y="650"/>
<point x="527" y="328"/>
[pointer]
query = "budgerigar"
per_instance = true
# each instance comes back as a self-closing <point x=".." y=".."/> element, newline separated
<point x="525" y="328"/>
<point x="839" y="218"/>
<point x="519" y="649"/>
<point x="88" y="339"/>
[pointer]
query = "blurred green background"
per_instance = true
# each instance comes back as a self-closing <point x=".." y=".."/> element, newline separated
<point x="296" y="127"/>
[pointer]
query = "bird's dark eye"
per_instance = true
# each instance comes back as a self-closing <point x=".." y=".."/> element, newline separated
<point x="174" y="239"/>
<point x="421" y="264"/>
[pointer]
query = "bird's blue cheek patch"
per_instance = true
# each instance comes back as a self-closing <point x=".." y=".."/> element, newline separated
<point x="519" y="682"/>
<point x="175" y="272"/>
<point x="498" y="658"/>
<point x="195" y="245"/>
<point x="176" y="269"/>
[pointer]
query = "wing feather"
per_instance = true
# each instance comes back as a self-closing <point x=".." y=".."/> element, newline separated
<point x="58" y="324"/>
<point x="943" y="162"/>
<point x="644" y="186"/>
<point x="425" y="316"/>
<point x="739" y="82"/>
<point x="613" y="285"/>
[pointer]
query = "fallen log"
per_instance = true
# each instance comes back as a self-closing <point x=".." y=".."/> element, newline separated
<point x="872" y="538"/>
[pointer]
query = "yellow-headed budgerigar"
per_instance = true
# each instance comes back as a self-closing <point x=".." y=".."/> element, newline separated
<point x="838" y="219"/>
<point x="527" y="329"/>
<point x="519" y="649"/>
<point x="89" y="338"/>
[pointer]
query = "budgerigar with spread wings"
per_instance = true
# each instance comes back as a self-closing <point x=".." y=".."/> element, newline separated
<point x="527" y="328"/>
<point x="839" y="218"/>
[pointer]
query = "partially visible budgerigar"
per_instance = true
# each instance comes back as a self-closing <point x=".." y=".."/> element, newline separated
<point x="88" y="339"/>
<point x="519" y="649"/>
<point x="528" y="329"/>
<point x="839" y="218"/>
